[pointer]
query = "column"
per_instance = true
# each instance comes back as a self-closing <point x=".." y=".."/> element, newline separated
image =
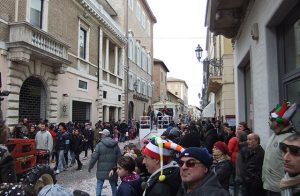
<point x="107" y="55"/>
<point x="116" y="114"/>
<point x="116" y="59"/>
<point x="106" y="114"/>
<point x="100" y="56"/>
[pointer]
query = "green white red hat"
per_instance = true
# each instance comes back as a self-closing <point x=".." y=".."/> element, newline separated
<point x="283" y="113"/>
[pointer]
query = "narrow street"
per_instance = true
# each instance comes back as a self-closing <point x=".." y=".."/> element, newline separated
<point x="83" y="180"/>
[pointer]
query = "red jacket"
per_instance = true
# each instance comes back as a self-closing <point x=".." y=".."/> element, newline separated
<point x="233" y="148"/>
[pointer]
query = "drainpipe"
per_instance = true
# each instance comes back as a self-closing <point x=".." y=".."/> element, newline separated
<point x="126" y="69"/>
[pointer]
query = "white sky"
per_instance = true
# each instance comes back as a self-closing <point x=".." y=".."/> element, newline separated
<point x="178" y="31"/>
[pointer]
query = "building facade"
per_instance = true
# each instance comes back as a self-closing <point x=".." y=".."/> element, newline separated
<point x="160" y="71"/>
<point x="179" y="88"/>
<point x="137" y="20"/>
<point x="61" y="61"/>
<point x="266" y="56"/>
<point x="219" y="75"/>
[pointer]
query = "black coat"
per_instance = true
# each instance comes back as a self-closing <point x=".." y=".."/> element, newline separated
<point x="210" y="138"/>
<point x="76" y="144"/>
<point x="209" y="186"/>
<point x="223" y="170"/>
<point x="254" y="162"/>
<point x="169" y="187"/>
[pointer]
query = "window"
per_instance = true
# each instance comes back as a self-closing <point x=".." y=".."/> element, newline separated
<point x="138" y="11"/>
<point x="104" y="94"/>
<point x="143" y="20"/>
<point x="82" y="84"/>
<point x="36" y="12"/>
<point x="130" y="82"/>
<point x="119" y="97"/>
<point x="148" y="27"/>
<point x="82" y="43"/>
<point x="149" y="90"/>
<point x="289" y="60"/>
<point x="138" y="54"/>
<point x="130" y="4"/>
<point x="149" y="64"/>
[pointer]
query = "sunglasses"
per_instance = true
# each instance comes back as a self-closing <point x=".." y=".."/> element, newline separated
<point x="188" y="163"/>
<point x="294" y="150"/>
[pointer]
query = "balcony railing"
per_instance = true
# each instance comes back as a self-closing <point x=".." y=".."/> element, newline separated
<point x="216" y="67"/>
<point x="35" y="41"/>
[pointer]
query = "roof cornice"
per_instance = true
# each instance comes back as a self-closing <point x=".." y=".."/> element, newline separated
<point x="104" y="18"/>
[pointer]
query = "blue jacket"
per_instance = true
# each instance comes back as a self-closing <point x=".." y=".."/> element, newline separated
<point x="130" y="186"/>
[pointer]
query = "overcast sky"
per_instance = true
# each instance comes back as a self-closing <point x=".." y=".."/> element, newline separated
<point x="178" y="31"/>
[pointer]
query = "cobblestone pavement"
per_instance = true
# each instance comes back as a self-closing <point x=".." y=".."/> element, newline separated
<point x="83" y="180"/>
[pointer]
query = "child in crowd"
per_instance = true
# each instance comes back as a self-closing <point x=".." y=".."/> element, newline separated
<point x="131" y="182"/>
<point x="116" y="134"/>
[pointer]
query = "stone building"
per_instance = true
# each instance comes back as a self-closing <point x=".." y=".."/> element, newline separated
<point x="266" y="42"/>
<point x="179" y="88"/>
<point x="137" y="19"/>
<point x="61" y="60"/>
<point x="218" y="78"/>
<point x="160" y="71"/>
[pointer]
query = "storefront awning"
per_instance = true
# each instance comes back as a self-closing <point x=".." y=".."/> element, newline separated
<point x="209" y="110"/>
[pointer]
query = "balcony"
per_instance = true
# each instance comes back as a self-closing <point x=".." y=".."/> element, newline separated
<point x="224" y="17"/>
<point x="29" y="42"/>
<point x="215" y="75"/>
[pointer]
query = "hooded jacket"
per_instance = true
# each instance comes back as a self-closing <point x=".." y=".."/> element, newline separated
<point x="130" y="186"/>
<point x="208" y="186"/>
<point x="106" y="153"/>
<point x="169" y="186"/>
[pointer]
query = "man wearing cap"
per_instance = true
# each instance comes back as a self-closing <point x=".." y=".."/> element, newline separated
<point x="195" y="174"/>
<point x="290" y="148"/>
<point x="106" y="155"/>
<point x="282" y="127"/>
<point x="157" y="185"/>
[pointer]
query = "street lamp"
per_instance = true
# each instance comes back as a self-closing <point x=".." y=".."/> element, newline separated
<point x="198" y="52"/>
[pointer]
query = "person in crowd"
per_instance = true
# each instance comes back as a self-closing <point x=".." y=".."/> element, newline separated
<point x="130" y="181"/>
<point x="196" y="177"/>
<point x="20" y="130"/>
<point x="228" y="133"/>
<point x="43" y="138"/>
<point x="210" y="137"/>
<point x="32" y="132"/>
<point x="142" y="171"/>
<point x="106" y="155"/>
<point x="7" y="164"/>
<point x="290" y="148"/>
<point x="76" y="146"/>
<point x="240" y="165"/>
<point x="152" y="115"/>
<point x="88" y="135"/>
<point x="116" y="134"/>
<point x="282" y="127"/>
<point x="62" y="138"/>
<point x="219" y="130"/>
<point x="253" y="168"/>
<point x="164" y="178"/>
<point x="222" y="165"/>
<point x="123" y="128"/>
<point x="52" y="131"/>
<point x="233" y="148"/>
<point x="244" y="127"/>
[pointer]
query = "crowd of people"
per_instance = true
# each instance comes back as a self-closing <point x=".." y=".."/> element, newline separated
<point x="200" y="158"/>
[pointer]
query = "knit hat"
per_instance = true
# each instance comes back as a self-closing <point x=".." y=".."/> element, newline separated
<point x="105" y="132"/>
<point x="221" y="146"/>
<point x="284" y="113"/>
<point x="159" y="149"/>
<point x="201" y="154"/>
<point x="152" y="151"/>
